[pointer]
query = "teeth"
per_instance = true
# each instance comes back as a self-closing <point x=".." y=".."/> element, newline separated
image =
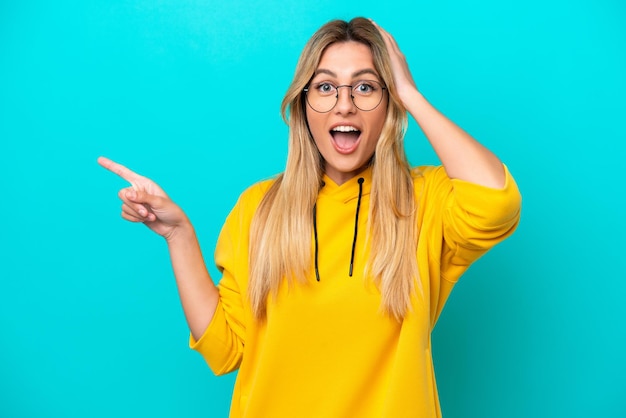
<point x="345" y="129"/>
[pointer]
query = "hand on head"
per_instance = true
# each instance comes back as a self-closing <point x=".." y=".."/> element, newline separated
<point x="144" y="201"/>
<point x="401" y="73"/>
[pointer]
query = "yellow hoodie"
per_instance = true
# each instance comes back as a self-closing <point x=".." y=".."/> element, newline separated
<point x="325" y="349"/>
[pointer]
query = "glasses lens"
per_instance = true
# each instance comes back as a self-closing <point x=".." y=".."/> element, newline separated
<point x="321" y="97"/>
<point x="367" y="94"/>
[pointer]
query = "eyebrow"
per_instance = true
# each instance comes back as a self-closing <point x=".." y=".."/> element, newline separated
<point x="355" y="74"/>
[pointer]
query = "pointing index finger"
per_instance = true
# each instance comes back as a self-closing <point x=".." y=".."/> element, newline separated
<point x="118" y="169"/>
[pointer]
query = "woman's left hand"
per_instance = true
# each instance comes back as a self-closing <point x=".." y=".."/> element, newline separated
<point x="405" y="85"/>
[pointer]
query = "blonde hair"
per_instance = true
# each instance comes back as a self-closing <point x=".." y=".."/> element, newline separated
<point x="281" y="230"/>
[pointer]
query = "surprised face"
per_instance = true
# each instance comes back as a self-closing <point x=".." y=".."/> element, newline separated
<point x="346" y="136"/>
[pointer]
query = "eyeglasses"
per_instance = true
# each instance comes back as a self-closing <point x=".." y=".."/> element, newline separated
<point x="366" y="95"/>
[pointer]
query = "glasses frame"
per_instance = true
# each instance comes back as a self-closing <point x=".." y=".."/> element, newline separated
<point x="383" y="88"/>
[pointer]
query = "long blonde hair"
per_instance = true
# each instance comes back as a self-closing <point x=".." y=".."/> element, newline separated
<point x="281" y="230"/>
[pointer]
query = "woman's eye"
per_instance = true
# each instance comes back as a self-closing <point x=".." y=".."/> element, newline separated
<point x="364" y="88"/>
<point x="325" y="88"/>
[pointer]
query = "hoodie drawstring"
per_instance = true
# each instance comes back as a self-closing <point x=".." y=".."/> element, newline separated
<point x="356" y="228"/>
<point x="356" y="223"/>
<point x="317" y="271"/>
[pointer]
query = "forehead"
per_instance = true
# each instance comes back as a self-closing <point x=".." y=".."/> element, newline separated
<point x="346" y="58"/>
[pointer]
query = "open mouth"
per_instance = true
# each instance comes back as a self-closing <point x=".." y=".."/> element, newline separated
<point x="345" y="138"/>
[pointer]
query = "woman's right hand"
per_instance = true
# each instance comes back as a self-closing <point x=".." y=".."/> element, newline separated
<point x="144" y="201"/>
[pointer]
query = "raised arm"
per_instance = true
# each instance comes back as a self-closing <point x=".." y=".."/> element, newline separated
<point x="462" y="156"/>
<point x="144" y="201"/>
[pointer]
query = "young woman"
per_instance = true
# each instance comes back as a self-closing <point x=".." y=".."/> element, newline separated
<point x="335" y="272"/>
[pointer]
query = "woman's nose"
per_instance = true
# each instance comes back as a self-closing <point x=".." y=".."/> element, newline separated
<point x="345" y="100"/>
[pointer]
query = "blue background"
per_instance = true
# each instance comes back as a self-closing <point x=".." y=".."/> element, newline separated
<point x="187" y="92"/>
